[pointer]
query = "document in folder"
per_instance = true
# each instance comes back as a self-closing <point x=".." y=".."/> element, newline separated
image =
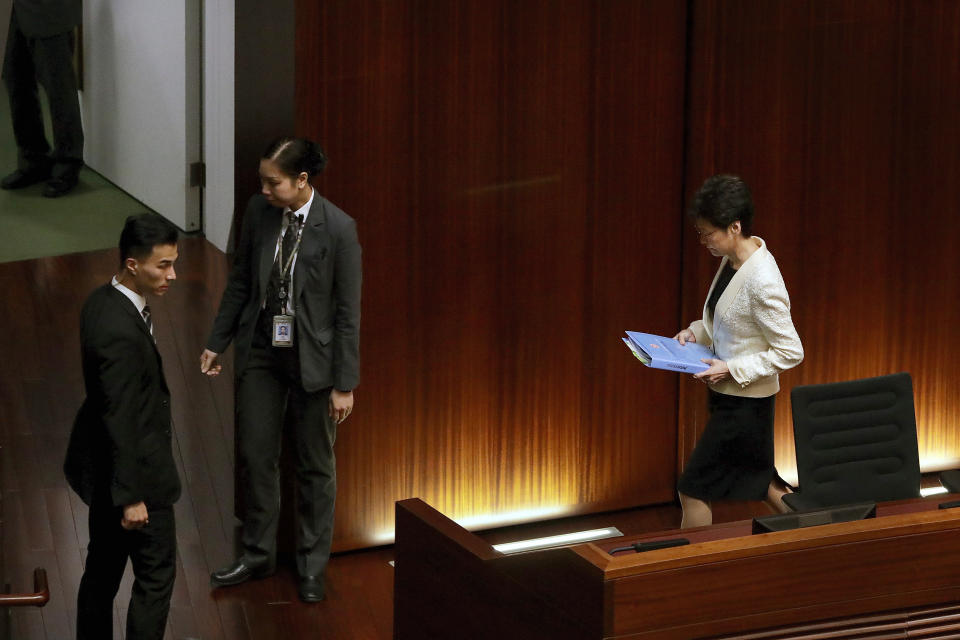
<point x="660" y="352"/>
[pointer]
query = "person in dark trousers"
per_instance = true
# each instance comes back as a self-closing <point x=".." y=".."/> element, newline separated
<point x="120" y="458"/>
<point x="40" y="48"/>
<point x="292" y="308"/>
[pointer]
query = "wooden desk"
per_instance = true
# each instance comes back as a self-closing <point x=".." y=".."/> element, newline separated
<point x="896" y="575"/>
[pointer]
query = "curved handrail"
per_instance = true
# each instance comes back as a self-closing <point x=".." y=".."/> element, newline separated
<point x="37" y="599"/>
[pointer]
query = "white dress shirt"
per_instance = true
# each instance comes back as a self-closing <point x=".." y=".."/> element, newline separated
<point x="138" y="300"/>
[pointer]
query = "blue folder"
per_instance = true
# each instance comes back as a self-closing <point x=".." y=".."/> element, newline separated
<point x="660" y="352"/>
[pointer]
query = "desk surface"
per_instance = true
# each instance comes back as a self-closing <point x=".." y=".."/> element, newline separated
<point x="927" y="510"/>
<point x="738" y="528"/>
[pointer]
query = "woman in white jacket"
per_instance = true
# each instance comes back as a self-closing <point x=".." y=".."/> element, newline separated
<point x="746" y="320"/>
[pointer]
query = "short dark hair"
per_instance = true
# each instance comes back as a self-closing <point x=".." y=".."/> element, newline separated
<point x="144" y="231"/>
<point x="296" y="155"/>
<point x="722" y="200"/>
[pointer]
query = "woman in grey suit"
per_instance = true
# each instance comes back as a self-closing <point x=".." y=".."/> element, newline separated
<point x="292" y="309"/>
<point x="746" y="320"/>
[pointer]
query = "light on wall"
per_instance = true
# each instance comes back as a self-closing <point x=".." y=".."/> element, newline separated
<point x="495" y="519"/>
<point x="558" y="541"/>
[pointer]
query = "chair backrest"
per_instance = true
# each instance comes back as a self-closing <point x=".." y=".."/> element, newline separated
<point x="857" y="440"/>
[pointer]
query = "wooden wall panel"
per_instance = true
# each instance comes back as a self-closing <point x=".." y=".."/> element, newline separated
<point x="514" y="167"/>
<point x="635" y="258"/>
<point x="842" y="116"/>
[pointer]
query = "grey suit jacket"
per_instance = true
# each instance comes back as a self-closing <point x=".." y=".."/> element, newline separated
<point x="326" y="292"/>
<point x="45" y="18"/>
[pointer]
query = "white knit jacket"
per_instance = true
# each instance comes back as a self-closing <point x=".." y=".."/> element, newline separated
<point x="752" y="330"/>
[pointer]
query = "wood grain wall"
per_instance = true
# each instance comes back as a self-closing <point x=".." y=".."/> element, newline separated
<point x="515" y="169"/>
<point x="843" y="117"/>
<point x="519" y="170"/>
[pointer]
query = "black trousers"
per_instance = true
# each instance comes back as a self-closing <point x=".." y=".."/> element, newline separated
<point x="152" y="550"/>
<point x="49" y="61"/>
<point x="269" y="395"/>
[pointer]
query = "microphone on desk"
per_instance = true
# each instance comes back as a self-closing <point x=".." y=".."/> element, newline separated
<point x="640" y="547"/>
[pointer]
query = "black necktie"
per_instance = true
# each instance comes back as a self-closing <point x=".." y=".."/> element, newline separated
<point x="290" y="238"/>
<point x="146" y="318"/>
<point x="276" y="304"/>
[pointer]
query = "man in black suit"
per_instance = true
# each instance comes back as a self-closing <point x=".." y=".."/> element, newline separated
<point x="40" y="48"/>
<point x="120" y="459"/>
<point x="296" y="274"/>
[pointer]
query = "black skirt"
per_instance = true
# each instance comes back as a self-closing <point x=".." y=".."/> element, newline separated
<point x="733" y="459"/>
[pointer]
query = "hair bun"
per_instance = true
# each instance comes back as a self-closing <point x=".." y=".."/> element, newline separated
<point x="315" y="160"/>
<point x="296" y="155"/>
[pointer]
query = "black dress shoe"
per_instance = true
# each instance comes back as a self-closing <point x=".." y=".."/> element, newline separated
<point x="59" y="185"/>
<point x="239" y="572"/>
<point x="25" y="177"/>
<point x="311" y="589"/>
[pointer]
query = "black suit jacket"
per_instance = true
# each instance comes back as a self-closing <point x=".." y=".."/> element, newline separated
<point x="45" y="18"/>
<point x="326" y="292"/>
<point x="121" y="436"/>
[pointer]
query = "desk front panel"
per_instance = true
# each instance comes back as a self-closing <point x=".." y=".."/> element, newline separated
<point x="727" y="580"/>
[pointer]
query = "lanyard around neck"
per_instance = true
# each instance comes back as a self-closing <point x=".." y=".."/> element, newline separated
<point x="285" y="268"/>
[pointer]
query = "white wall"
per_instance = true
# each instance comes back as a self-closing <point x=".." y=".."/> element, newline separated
<point x="141" y="100"/>
<point x="149" y="92"/>
<point x="218" y="119"/>
<point x="142" y="103"/>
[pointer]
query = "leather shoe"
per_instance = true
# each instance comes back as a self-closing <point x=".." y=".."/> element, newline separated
<point x="59" y="185"/>
<point x="24" y="178"/>
<point x="311" y="589"/>
<point x="239" y="572"/>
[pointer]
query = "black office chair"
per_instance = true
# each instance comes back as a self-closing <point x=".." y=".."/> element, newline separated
<point x="856" y="442"/>
<point x="951" y="480"/>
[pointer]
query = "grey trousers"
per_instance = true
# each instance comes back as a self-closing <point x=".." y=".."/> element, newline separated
<point x="48" y="61"/>
<point x="270" y="394"/>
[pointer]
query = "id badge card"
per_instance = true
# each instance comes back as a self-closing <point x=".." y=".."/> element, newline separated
<point x="282" y="331"/>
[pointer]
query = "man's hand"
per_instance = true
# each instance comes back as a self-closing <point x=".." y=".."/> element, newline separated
<point x="341" y="404"/>
<point x="208" y="363"/>
<point x="134" y="516"/>
<point x="718" y="371"/>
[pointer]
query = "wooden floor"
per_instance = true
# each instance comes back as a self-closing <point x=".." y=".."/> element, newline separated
<point x="44" y="523"/>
